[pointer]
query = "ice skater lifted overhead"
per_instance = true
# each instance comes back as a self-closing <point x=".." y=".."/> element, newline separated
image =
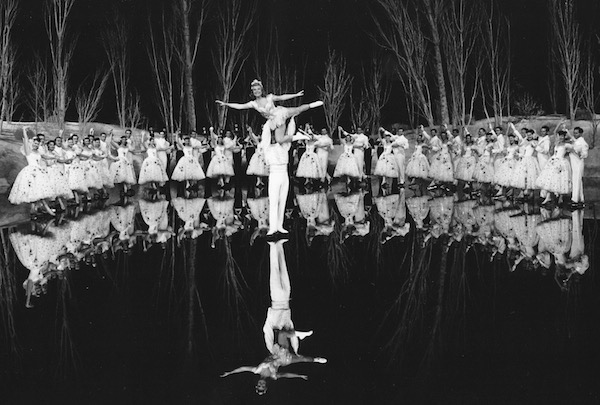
<point x="276" y="115"/>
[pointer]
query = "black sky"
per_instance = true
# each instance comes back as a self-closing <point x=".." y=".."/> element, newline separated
<point x="304" y="26"/>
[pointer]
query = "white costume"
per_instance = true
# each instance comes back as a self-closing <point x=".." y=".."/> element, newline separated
<point x="578" y="153"/>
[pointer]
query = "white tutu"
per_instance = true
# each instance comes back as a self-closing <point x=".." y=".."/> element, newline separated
<point x="556" y="234"/>
<point x="311" y="205"/>
<point x="60" y="182"/>
<point x="32" y="184"/>
<point x="220" y="165"/>
<point x="441" y="168"/>
<point x="526" y="173"/>
<point x="556" y="175"/>
<point x="122" y="172"/>
<point x="309" y="166"/>
<point x="346" y="166"/>
<point x="188" y="210"/>
<point x="188" y="168"/>
<point x="152" y="170"/>
<point x="418" y="208"/>
<point x="387" y="165"/>
<point x="504" y="171"/>
<point x="484" y="170"/>
<point x="93" y="177"/>
<point x="348" y="205"/>
<point x="104" y="170"/>
<point x="465" y="167"/>
<point x="257" y="165"/>
<point x="154" y="214"/>
<point x="418" y="165"/>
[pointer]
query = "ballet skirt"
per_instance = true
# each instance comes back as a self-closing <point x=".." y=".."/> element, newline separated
<point x="122" y="219"/>
<point x="60" y="181"/>
<point x="418" y="209"/>
<point x="122" y="171"/>
<point x="556" y="234"/>
<point x="440" y="214"/>
<point x="309" y="166"/>
<point x="257" y="165"/>
<point x="484" y="169"/>
<point x="527" y="170"/>
<point x="103" y="168"/>
<point x="556" y="174"/>
<point x="387" y="165"/>
<point x="348" y="205"/>
<point x="152" y="170"/>
<point x="76" y="173"/>
<point x="465" y="167"/>
<point x="441" y="168"/>
<point x="32" y="183"/>
<point x="504" y="168"/>
<point x="311" y="205"/>
<point x="323" y="146"/>
<point x="387" y="207"/>
<point x="526" y="229"/>
<point x="93" y="177"/>
<point x="188" y="210"/>
<point x="464" y="214"/>
<point x="506" y="223"/>
<point x="188" y="167"/>
<point x="162" y="143"/>
<point x="221" y="209"/>
<point x="219" y="165"/>
<point x="259" y="209"/>
<point x="154" y="214"/>
<point x="346" y="164"/>
<point x="418" y="165"/>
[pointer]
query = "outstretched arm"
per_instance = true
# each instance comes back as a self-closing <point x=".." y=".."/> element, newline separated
<point x="239" y="370"/>
<point x="284" y="97"/>
<point x="235" y="106"/>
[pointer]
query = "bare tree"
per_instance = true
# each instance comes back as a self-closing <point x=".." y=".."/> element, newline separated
<point x="230" y="51"/>
<point x="359" y="109"/>
<point x="89" y="96"/>
<point x="62" y="46"/>
<point x="166" y="67"/>
<point x="589" y="96"/>
<point x="376" y="90"/>
<point x="115" y="39"/>
<point x="401" y="33"/>
<point x="337" y="83"/>
<point x="198" y="10"/>
<point x="8" y="56"/>
<point x="464" y="64"/>
<point x="133" y="112"/>
<point x="566" y="43"/>
<point x="40" y="96"/>
<point x="434" y="10"/>
<point x="496" y="37"/>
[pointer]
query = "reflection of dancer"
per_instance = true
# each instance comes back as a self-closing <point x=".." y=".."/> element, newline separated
<point x="275" y="115"/>
<point x="577" y="153"/>
<point x="279" y="321"/>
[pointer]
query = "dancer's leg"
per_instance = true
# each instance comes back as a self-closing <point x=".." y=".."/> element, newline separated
<point x="273" y="190"/>
<point x="283" y="193"/>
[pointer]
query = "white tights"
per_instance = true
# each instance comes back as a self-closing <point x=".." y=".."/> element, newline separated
<point x="279" y="185"/>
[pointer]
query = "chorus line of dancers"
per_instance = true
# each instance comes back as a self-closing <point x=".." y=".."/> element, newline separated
<point x="522" y="232"/>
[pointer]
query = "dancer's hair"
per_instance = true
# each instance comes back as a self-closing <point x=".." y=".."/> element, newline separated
<point x="257" y="82"/>
<point x="546" y="127"/>
<point x="579" y="130"/>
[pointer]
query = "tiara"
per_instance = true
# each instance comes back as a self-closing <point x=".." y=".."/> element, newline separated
<point x="256" y="81"/>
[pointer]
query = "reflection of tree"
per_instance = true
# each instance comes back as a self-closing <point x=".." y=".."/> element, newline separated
<point x="338" y="260"/>
<point x="67" y="353"/>
<point x="8" y="295"/>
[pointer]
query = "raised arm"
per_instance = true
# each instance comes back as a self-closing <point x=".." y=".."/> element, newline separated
<point x="284" y="97"/>
<point x="26" y="142"/>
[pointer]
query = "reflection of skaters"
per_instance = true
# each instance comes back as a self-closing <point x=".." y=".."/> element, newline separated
<point x="279" y="315"/>
<point x="277" y="158"/>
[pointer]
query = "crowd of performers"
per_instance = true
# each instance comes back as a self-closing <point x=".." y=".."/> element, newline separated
<point x="534" y="236"/>
<point x="517" y="164"/>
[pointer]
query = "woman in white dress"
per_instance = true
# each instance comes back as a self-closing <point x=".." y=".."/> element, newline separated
<point x="276" y="115"/>
<point x="555" y="177"/>
<point x="188" y="169"/>
<point x="346" y="165"/>
<point x="75" y="171"/>
<point x="504" y="170"/>
<point x="121" y="171"/>
<point x="220" y="167"/>
<point x="528" y="168"/>
<point x="257" y="165"/>
<point x="309" y="167"/>
<point x="484" y="169"/>
<point x="153" y="171"/>
<point x="60" y="180"/>
<point x="441" y="170"/>
<point x="387" y="166"/>
<point x="100" y="161"/>
<point x="467" y="162"/>
<point x="418" y="165"/>
<point x="33" y="184"/>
